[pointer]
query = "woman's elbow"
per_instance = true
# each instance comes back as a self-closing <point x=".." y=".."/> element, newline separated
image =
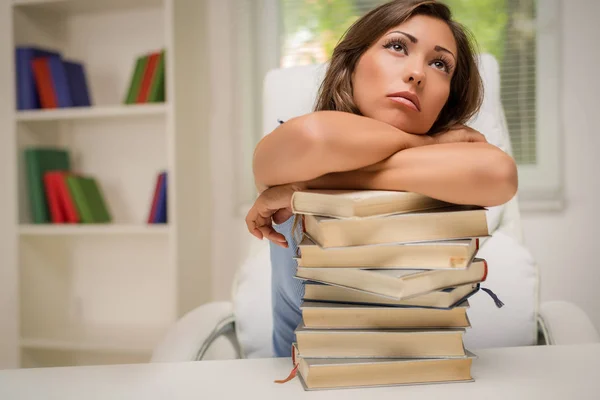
<point x="284" y="151"/>
<point x="503" y="178"/>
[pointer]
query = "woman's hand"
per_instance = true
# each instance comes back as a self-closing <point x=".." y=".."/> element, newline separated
<point x="273" y="205"/>
<point x="459" y="134"/>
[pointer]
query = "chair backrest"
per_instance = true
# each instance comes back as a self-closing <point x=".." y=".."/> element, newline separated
<point x="291" y="92"/>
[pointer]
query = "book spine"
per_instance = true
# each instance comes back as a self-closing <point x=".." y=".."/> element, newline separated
<point x="136" y="79"/>
<point x="37" y="200"/>
<point x="147" y="78"/>
<point x="60" y="81"/>
<point x="43" y="81"/>
<point x="66" y="199"/>
<point x="161" y="207"/>
<point x="485" y="270"/>
<point x="52" y="195"/>
<point x="77" y="84"/>
<point x="27" y="97"/>
<point x="80" y="200"/>
<point x="157" y="87"/>
<point x="152" y="214"/>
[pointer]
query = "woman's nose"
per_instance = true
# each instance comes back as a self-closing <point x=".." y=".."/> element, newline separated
<point x="415" y="75"/>
<point x="416" y="78"/>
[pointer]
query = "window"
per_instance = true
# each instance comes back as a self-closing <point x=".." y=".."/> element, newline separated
<point x="519" y="33"/>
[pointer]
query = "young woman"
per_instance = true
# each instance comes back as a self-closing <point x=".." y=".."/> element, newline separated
<point x="389" y="115"/>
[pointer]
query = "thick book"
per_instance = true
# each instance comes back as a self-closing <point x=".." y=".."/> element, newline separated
<point x="317" y="315"/>
<point x="397" y="284"/>
<point x="340" y="373"/>
<point x="360" y="203"/>
<point x="444" y="254"/>
<point x="454" y="222"/>
<point x="380" y="343"/>
<point x="444" y="298"/>
<point x="27" y="94"/>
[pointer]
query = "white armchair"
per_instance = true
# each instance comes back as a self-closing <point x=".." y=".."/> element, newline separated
<point x="242" y="328"/>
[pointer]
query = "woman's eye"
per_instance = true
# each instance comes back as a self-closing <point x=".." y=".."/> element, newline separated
<point x="396" y="45"/>
<point x="440" y="65"/>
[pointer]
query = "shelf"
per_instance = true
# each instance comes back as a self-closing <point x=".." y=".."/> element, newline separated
<point x="109" y="339"/>
<point x="91" y="229"/>
<point x="94" y="112"/>
<point x="85" y="6"/>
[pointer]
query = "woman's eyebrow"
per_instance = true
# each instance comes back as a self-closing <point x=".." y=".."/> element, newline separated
<point x="445" y="50"/>
<point x="415" y="40"/>
<point x="409" y="36"/>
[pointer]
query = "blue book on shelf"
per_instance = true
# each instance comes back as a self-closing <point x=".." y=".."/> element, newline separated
<point x="26" y="92"/>
<point x="78" y="86"/>
<point x="60" y="81"/>
<point x="161" y="206"/>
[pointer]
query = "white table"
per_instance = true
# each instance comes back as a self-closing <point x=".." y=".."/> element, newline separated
<point x="540" y="372"/>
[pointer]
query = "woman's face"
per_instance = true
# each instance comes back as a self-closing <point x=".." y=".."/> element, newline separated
<point x="403" y="79"/>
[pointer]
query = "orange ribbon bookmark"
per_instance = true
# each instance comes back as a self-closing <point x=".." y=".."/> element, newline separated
<point x="291" y="376"/>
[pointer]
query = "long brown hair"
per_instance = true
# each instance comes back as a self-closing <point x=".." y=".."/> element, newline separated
<point x="466" y="89"/>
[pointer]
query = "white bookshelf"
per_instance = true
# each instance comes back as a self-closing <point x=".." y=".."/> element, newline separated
<point x="90" y="113"/>
<point x="79" y="294"/>
<point x="92" y="229"/>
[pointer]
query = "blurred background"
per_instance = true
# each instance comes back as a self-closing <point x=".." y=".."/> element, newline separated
<point x="148" y="111"/>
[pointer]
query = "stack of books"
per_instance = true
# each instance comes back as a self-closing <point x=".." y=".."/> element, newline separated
<point x="388" y="276"/>
<point x="58" y="194"/>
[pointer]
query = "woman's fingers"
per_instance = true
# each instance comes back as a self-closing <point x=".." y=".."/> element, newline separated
<point x="274" y="236"/>
<point x="259" y="225"/>
<point x="273" y="205"/>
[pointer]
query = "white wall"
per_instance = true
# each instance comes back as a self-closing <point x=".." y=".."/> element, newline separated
<point x="565" y="243"/>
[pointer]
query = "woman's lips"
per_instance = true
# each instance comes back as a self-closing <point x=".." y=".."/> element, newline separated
<point x="405" y="101"/>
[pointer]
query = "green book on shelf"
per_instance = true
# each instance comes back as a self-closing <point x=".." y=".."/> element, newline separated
<point x="88" y="199"/>
<point x="157" y="87"/>
<point x="39" y="160"/>
<point x="136" y="79"/>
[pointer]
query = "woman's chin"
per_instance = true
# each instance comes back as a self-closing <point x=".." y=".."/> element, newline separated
<point x="403" y="122"/>
<point x="400" y="120"/>
<point x="408" y="127"/>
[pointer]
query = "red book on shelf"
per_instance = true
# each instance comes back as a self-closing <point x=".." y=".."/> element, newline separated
<point x="53" y="197"/>
<point x="66" y="199"/>
<point x="152" y="214"/>
<point x="43" y="82"/>
<point x="147" y="78"/>
<point x="60" y="202"/>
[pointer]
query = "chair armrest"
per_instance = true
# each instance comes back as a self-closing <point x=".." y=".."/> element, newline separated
<point x="565" y="323"/>
<point x="206" y="332"/>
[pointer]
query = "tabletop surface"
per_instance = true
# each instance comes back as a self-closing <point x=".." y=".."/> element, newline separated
<point x="536" y="372"/>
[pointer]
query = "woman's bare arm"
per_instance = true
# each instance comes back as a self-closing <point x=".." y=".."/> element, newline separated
<point x="323" y="142"/>
<point x="462" y="173"/>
